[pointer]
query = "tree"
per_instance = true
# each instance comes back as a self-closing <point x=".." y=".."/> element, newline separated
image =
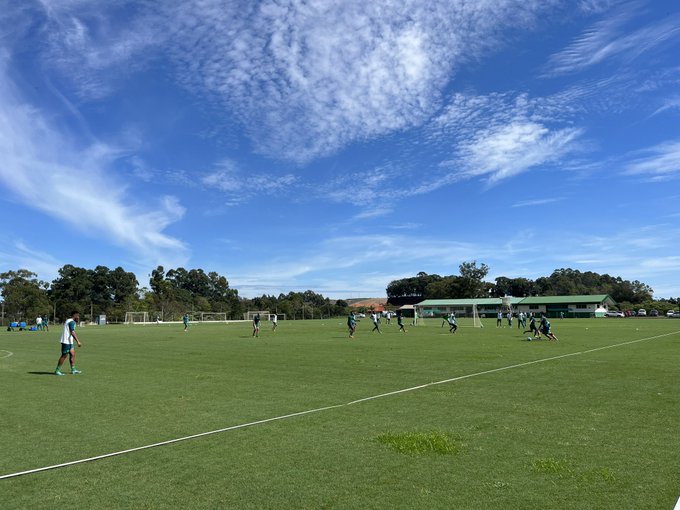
<point x="472" y="284"/>
<point x="25" y="296"/>
<point x="72" y="290"/>
<point x="413" y="287"/>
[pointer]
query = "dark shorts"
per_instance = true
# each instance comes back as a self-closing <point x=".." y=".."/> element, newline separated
<point x="66" y="348"/>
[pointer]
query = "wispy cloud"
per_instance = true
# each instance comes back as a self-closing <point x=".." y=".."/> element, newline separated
<point x="307" y="79"/>
<point x="668" y="104"/>
<point x="540" y="201"/>
<point x="93" y="47"/>
<point x="503" y="135"/>
<point x="76" y="181"/>
<point x="613" y="38"/>
<point x="239" y="187"/>
<point x="661" y="161"/>
<point x="19" y="255"/>
<point x="509" y="150"/>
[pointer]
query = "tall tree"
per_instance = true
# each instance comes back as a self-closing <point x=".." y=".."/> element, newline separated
<point x="25" y="296"/>
<point x="472" y="284"/>
<point x="71" y="290"/>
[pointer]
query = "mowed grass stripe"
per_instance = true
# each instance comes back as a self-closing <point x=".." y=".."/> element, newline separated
<point x="330" y="407"/>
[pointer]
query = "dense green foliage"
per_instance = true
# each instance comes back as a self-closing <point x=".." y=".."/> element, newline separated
<point x="24" y="296"/>
<point x="594" y="425"/>
<point x="115" y="291"/>
<point x="562" y="282"/>
<point x="469" y="284"/>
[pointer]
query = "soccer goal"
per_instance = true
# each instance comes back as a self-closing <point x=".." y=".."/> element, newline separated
<point x="476" y="321"/>
<point x="213" y="316"/>
<point x="250" y="314"/>
<point x="136" y="317"/>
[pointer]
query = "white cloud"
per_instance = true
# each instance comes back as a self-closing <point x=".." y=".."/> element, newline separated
<point x="18" y="255"/>
<point x="239" y="187"/>
<point x="540" y="201"/>
<point x="500" y="135"/>
<point x="308" y="78"/>
<point x="668" y="104"/>
<point x="95" y="46"/>
<point x="78" y="187"/>
<point x="660" y="161"/>
<point x="509" y="150"/>
<point x="613" y="39"/>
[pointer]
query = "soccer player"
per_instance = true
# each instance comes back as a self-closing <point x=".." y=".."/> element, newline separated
<point x="376" y="323"/>
<point x="256" y="325"/>
<point x="351" y="324"/>
<point x="532" y="327"/>
<point x="499" y="319"/>
<point x="46" y="323"/>
<point x="545" y="328"/>
<point x="509" y="316"/>
<point x="388" y="315"/>
<point x="185" y="320"/>
<point x="275" y="321"/>
<point x="445" y="320"/>
<point x="452" y="323"/>
<point x="400" y="322"/>
<point x="67" y="338"/>
<point x="38" y="323"/>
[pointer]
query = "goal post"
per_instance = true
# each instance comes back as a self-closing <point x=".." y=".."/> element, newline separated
<point x="476" y="321"/>
<point x="136" y="317"/>
<point x="250" y="314"/>
<point x="212" y="316"/>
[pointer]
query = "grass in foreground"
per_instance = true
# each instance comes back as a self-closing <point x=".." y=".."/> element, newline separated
<point x="594" y="430"/>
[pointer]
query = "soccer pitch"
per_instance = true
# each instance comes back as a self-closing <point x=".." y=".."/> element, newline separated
<point x="590" y="421"/>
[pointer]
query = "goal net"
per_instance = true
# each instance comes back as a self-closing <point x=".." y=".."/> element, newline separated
<point x="136" y="317"/>
<point x="250" y="314"/>
<point x="476" y="321"/>
<point x="212" y="316"/>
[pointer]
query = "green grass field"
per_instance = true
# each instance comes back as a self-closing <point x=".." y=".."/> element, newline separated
<point x="599" y="429"/>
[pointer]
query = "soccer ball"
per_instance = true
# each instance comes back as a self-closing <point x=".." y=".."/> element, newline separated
<point x="528" y="339"/>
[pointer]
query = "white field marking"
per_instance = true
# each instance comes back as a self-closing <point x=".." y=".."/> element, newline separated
<point x="9" y="353"/>
<point x="326" y="408"/>
<point x="677" y="505"/>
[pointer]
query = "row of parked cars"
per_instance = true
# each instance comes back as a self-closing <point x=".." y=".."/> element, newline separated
<point x="641" y="313"/>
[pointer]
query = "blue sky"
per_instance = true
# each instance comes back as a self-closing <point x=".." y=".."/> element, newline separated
<point x="338" y="145"/>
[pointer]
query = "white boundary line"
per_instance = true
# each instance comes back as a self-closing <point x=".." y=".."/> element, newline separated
<point x="326" y="408"/>
<point x="8" y="355"/>
<point x="677" y="505"/>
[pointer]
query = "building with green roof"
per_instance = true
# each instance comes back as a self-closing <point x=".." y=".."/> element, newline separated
<point x="553" y="306"/>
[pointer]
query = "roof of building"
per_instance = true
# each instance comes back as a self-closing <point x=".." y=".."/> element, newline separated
<point x="539" y="300"/>
<point x="472" y="301"/>
<point x="531" y="300"/>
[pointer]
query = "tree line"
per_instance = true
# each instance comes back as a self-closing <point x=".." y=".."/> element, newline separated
<point x="470" y="283"/>
<point x="169" y="295"/>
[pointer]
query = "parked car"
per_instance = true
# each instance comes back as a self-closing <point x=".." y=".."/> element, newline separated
<point x="642" y="312"/>
<point x="614" y="313"/>
<point x="676" y="315"/>
<point x="654" y="313"/>
<point x="670" y="313"/>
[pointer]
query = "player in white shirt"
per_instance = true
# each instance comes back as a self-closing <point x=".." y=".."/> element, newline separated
<point x="376" y="322"/>
<point x="275" y="321"/>
<point x="68" y="335"/>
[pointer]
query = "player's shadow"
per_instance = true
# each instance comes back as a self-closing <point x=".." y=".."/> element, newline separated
<point x="41" y="373"/>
